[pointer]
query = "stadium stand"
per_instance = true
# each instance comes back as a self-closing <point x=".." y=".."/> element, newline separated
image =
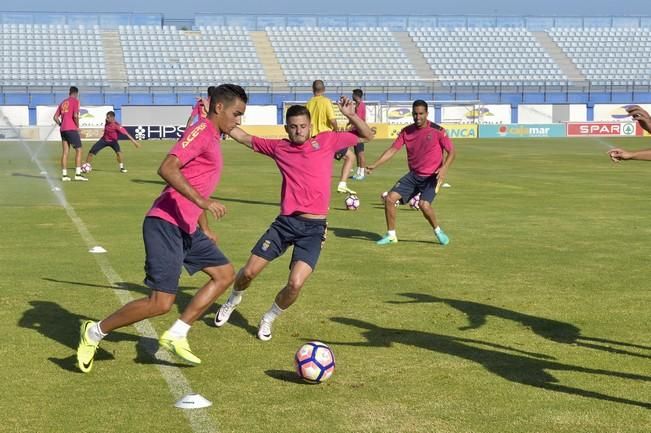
<point x="166" y="56"/>
<point x="606" y="55"/>
<point x="341" y="56"/>
<point x="486" y="56"/>
<point x="51" y="55"/>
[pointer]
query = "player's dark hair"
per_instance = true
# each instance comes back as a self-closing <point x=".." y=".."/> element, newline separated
<point x="318" y="86"/>
<point x="419" y="103"/>
<point x="73" y="89"/>
<point x="111" y="113"/>
<point x="227" y="94"/>
<point x="210" y="90"/>
<point x="358" y="93"/>
<point x="297" y="110"/>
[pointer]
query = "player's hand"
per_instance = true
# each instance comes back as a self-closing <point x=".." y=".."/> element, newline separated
<point x="441" y="174"/>
<point x="370" y="168"/>
<point x="135" y="143"/>
<point x="617" y="155"/>
<point x="217" y="209"/>
<point x="641" y="116"/>
<point x="346" y="106"/>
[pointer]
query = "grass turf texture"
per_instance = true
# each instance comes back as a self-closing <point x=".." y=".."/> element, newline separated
<point x="534" y="319"/>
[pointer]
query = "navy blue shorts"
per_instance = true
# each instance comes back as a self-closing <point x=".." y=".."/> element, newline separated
<point x="168" y="249"/>
<point x="359" y="147"/>
<point x="101" y="144"/>
<point x="411" y="184"/>
<point x="72" y="138"/>
<point x="307" y="235"/>
<point x="339" y="155"/>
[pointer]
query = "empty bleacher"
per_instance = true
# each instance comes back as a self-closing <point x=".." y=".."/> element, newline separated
<point x="51" y="55"/>
<point x="341" y="56"/>
<point x="608" y="55"/>
<point x="486" y="56"/>
<point x="166" y="56"/>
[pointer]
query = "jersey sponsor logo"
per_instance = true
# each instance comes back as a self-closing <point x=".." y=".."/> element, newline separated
<point x="194" y="134"/>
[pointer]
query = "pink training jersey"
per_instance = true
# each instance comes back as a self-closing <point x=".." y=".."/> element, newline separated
<point x="306" y="169"/>
<point x="67" y="110"/>
<point x="112" y="130"/>
<point x="360" y="110"/>
<point x="199" y="151"/>
<point x="200" y="109"/>
<point x="424" y="147"/>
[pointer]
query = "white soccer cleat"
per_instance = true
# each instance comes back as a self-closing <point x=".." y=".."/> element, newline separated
<point x="264" y="330"/>
<point x="224" y="314"/>
<point x="79" y="177"/>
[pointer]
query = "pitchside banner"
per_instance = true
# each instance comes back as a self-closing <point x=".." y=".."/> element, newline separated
<point x="453" y="130"/>
<point x="521" y="131"/>
<point x="155" y="132"/>
<point x="490" y="114"/>
<point x="604" y="129"/>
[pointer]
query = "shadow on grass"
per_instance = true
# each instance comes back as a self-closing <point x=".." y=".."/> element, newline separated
<point x="287" y="376"/>
<point x="513" y="367"/>
<point x="344" y="232"/>
<point x="32" y="176"/>
<point x="62" y="326"/>
<point x="559" y="332"/>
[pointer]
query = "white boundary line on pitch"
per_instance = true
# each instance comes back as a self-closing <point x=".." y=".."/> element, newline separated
<point x="199" y="419"/>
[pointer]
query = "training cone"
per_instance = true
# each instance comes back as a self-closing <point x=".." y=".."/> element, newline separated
<point x="193" y="401"/>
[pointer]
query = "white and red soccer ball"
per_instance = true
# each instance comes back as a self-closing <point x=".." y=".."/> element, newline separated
<point x="352" y="202"/>
<point x="414" y="202"/>
<point x="314" y="362"/>
<point x="86" y="167"/>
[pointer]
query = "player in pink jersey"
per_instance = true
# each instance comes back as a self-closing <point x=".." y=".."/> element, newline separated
<point x="425" y="142"/>
<point x="200" y="108"/>
<point x="305" y="163"/>
<point x="67" y="117"/>
<point x="172" y="239"/>
<point x="112" y="130"/>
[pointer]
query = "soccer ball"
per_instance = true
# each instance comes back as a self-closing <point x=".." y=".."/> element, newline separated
<point x="385" y="194"/>
<point x="314" y="362"/>
<point x="86" y="167"/>
<point x="414" y="202"/>
<point x="352" y="202"/>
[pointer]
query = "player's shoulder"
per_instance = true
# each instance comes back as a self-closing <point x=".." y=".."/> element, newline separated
<point x="436" y="127"/>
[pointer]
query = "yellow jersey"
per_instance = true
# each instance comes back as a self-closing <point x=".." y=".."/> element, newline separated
<point x="321" y="112"/>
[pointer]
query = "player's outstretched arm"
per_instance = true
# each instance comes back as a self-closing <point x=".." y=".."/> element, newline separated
<point x="241" y="137"/>
<point x="347" y="108"/>
<point x="641" y="115"/>
<point x="618" y="155"/>
<point x="170" y="171"/>
<point x="135" y="143"/>
<point x="386" y="155"/>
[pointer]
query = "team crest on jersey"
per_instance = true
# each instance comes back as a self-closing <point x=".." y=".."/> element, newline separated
<point x="315" y="144"/>
<point x="266" y="245"/>
<point x="429" y="137"/>
<point x="195" y="132"/>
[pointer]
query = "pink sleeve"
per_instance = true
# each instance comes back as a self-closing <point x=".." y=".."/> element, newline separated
<point x="195" y="110"/>
<point x="191" y="145"/>
<point x="399" y="141"/>
<point x="338" y="140"/>
<point x="75" y="109"/>
<point x="264" y="145"/>
<point x="445" y="141"/>
<point x="121" y="129"/>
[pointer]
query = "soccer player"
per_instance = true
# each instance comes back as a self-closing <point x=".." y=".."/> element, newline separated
<point x="644" y="119"/>
<point x="67" y="117"/>
<point x="110" y="139"/>
<point x="172" y="239"/>
<point x="425" y="142"/>
<point x="323" y="119"/>
<point x="200" y="109"/>
<point x="305" y="163"/>
<point x="360" y="109"/>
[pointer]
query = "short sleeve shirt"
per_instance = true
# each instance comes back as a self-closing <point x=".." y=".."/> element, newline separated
<point x="424" y="147"/>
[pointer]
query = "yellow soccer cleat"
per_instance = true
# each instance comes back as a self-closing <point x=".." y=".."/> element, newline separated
<point x="87" y="348"/>
<point x="179" y="347"/>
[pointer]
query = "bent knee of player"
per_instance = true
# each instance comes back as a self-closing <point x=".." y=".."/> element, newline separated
<point x="160" y="303"/>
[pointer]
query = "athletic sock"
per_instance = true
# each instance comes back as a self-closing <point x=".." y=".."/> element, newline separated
<point x="437" y="229"/>
<point x="179" y="329"/>
<point x="391" y="233"/>
<point x="361" y="171"/>
<point x="236" y="297"/>
<point x="64" y="172"/>
<point x="77" y="171"/>
<point x="121" y="165"/>
<point x="95" y="333"/>
<point x="273" y="312"/>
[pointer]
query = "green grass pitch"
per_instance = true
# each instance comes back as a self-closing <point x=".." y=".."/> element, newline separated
<point x="534" y="319"/>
